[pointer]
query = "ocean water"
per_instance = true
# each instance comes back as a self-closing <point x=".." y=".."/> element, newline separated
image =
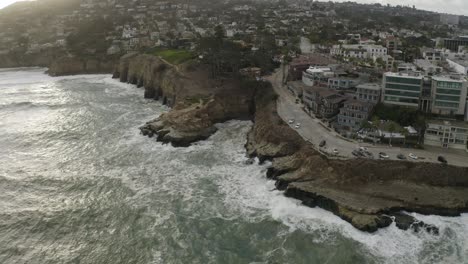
<point x="79" y="184"/>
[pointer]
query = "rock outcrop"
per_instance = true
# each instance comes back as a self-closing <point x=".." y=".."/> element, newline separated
<point x="198" y="101"/>
<point x="368" y="194"/>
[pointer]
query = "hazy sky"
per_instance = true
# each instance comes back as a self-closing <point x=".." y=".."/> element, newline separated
<point x="4" y="3"/>
<point x="459" y="7"/>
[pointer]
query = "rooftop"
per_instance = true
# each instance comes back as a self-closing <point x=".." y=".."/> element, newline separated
<point x="413" y="75"/>
<point x="448" y="78"/>
<point x="370" y="86"/>
<point x="452" y="123"/>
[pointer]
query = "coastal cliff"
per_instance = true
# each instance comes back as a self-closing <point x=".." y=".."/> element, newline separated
<point x="369" y="194"/>
<point x="71" y="65"/>
<point x="22" y="59"/>
<point x="198" y="102"/>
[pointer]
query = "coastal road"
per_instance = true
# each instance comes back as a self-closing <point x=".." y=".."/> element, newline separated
<point x="314" y="131"/>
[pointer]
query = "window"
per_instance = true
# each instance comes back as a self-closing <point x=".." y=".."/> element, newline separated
<point x="402" y="87"/>
<point x="403" y="80"/>
<point x="451" y="98"/>
<point x="402" y="93"/>
<point x="448" y="91"/>
<point x="445" y="104"/>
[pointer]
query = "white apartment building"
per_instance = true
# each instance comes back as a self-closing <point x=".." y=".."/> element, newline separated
<point x="359" y="51"/>
<point x="432" y="55"/>
<point x="315" y="75"/>
<point x="447" y="134"/>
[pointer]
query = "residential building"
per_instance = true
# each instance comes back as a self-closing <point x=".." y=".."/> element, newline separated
<point x="359" y="51"/>
<point x="448" y="19"/>
<point x="392" y="43"/>
<point x="322" y="101"/>
<point x="353" y="114"/>
<point x="369" y="92"/>
<point x="449" y="95"/>
<point x="315" y="75"/>
<point x="447" y="134"/>
<point x="402" y="89"/>
<point x="296" y="88"/>
<point x="302" y="63"/>
<point x="342" y="83"/>
<point x="432" y="55"/>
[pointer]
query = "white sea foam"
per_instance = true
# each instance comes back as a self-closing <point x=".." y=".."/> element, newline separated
<point x="247" y="190"/>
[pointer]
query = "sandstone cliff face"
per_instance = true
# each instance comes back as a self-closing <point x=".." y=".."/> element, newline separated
<point x="21" y="59"/>
<point x="198" y="102"/>
<point x="367" y="193"/>
<point x="70" y="65"/>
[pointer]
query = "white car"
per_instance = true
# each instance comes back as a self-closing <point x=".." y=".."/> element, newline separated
<point x="363" y="149"/>
<point x="298" y="125"/>
<point x="291" y="121"/>
<point x="383" y="155"/>
<point x="335" y="151"/>
<point x="411" y="155"/>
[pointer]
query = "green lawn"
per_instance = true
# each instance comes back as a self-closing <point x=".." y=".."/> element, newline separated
<point x="174" y="56"/>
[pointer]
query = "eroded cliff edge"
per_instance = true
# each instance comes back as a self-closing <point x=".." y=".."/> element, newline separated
<point x="198" y="101"/>
<point x="369" y="194"/>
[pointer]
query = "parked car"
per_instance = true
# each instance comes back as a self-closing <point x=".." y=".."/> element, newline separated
<point x="383" y="155"/>
<point x="297" y="126"/>
<point x="401" y="156"/>
<point x="442" y="159"/>
<point x="322" y="143"/>
<point x="335" y="151"/>
<point x="291" y="121"/>
<point x="363" y="149"/>
<point x="411" y="155"/>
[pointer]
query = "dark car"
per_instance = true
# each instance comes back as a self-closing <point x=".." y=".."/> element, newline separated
<point x="442" y="159"/>
<point x="401" y="156"/>
<point x="322" y="143"/>
<point x="357" y="153"/>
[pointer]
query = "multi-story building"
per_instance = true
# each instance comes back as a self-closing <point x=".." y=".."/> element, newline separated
<point x="447" y="134"/>
<point x="359" y="51"/>
<point x="454" y="44"/>
<point x="369" y="92"/>
<point x="341" y="83"/>
<point x="315" y="75"/>
<point x="449" y="95"/>
<point x="353" y="114"/>
<point x="402" y="89"/>
<point x="322" y="101"/>
<point x="302" y="63"/>
<point x="432" y="55"/>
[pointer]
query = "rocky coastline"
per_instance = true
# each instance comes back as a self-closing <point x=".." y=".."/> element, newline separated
<point x="368" y="194"/>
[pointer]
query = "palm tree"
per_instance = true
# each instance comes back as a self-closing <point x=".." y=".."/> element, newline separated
<point x="391" y="129"/>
